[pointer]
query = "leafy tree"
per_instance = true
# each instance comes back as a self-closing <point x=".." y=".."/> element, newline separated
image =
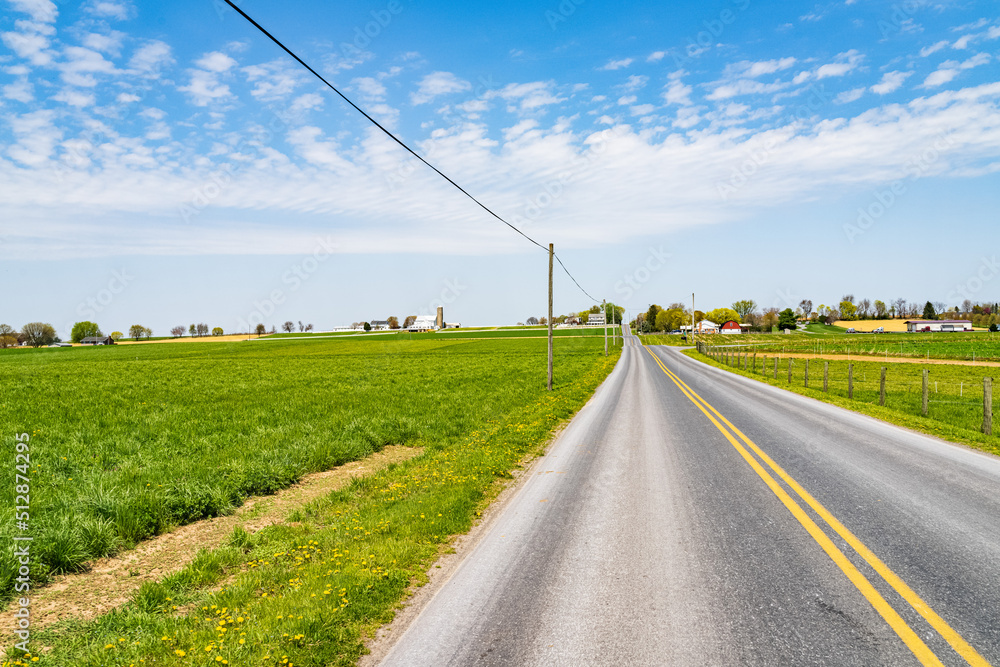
<point x="301" y="326"/>
<point x="309" y="327"/>
<point x="147" y="333"/>
<point x="202" y="329"/>
<point x="847" y="310"/>
<point x="368" y="327"/>
<point x="720" y="315"/>
<point x="806" y="306"/>
<point x="260" y="330"/>
<point x="865" y="308"/>
<point x="8" y="337"/>
<point x="532" y="321"/>
<point x="408" y="322"/>
<point x="769" y="319"/>
<point x="787" y="319"/>
<point x="116" y="335"/>
<point x="613" y="313"/>
<point x="83" y="330"/>
<point x="37" y="334"/>
<point x="288" y="326"/>
<point x="217" y="331"/>
<point x="137" y="331"/>
<point x="848" y="297"/>
<point x="393" y="322"/>
<point x="649" y="321"/>
<point x="929" y="312"/>
<point x="543" y="320"/>
<point x="744" y="309"/>
<point x="880" y="310"/>
<point x="177" y="332"/>
<point x="993" y="327"/>
<point x="193" y="329"/>
<point x="668" y="320"/>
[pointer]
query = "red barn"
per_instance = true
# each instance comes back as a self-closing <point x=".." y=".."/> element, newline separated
<point x="730" y="327"/>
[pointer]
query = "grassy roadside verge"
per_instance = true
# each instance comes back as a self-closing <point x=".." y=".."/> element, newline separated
<point x="866" y="402"/>
<point x="309" y="591"/>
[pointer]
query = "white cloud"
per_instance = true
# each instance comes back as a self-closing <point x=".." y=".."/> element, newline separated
<point x="747" y="68"/>
<point x="891" y="81"/>
<point x="36" y="137"/>
<point x="677" y="92"/>
<point x="306" y="102"/>
<point x="849" y="96"/>
<point x="32" y="46"/>
<point x="529" y="96"/>
<point x="933" y="48"/>
<point x="20" y="91"/>
<point x="438" y="83"/>
<point x="634" y="82"/>
<point x="324" y="154"/>
<point x="109" y="43"/>
<point x="843" y="64"/>
<point x="127" y="98"/>
<point x="75" y="98"/>
<point x="40" y="10"/>
<point x="150" y="57"/>
<point x="81" y="64"/>
<point x="656" y="56"/>
<point x="626" y="100"/>
<point x="616" y="64"/>
<point x="950" y="69"/>
<point x="369" y="88"/>
<point x="276" y="80"/>
<point x="109" y="9"/>
<point x="216" y="61"/>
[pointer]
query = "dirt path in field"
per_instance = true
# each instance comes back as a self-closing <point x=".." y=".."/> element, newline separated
<point x="876" y="358"/>
<point x="112" y="581"/>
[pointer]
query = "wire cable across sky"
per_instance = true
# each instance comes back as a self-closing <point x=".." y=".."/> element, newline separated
<point x="402" y="143"/>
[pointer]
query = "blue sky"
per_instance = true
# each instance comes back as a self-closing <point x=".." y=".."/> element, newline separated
<point x="166" y="164"/>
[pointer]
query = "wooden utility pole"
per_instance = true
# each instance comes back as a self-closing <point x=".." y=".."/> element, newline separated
<point x="850" y="381"/>
<point x="988" y="406"/>
<point x="881" y="388"/>
<point x="551" y="255"/>
<point x="923" y="400"/>
<point x="604" y="308"/>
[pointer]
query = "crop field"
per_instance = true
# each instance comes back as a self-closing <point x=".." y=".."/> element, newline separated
<point x="128" y="442"/>
<point x="450" y="334"/>
<point x="955" y="405"/>
<point x="974" y="346"/>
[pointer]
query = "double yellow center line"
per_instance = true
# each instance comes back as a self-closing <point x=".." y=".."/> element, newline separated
<point x="895" y="621"/>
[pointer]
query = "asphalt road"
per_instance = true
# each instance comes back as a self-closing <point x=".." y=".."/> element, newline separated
<point x="649" y="536"/>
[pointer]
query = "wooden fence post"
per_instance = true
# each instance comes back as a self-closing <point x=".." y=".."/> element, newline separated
<point x="923" y="403"/>
<point x="850" y="380"/>
<point x="763" y="365"/>
<point x="988" y="406"/>
<point x="881" y="388"/>
<point x="807" y="374"/>
<point x="776" y="368"/>
<point x="826" y="376"/>
<point x="789" y="370"/>
<point x="755" y="361"/>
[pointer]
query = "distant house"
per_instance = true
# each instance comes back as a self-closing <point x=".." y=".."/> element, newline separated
<point x="380" y="325"/>
<point x="595" y="320"/>
<point x="452" y="325"/>
<point x="424" y="323"/>
<point x="731" y="327"/>
<point x="98" y="340"/>
<point x="573" y="321"/>
<point x="914" y="326"/>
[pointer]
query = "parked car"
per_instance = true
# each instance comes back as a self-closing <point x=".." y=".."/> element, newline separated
<point x="879" y="330"/>
<point x="851" y="330"/>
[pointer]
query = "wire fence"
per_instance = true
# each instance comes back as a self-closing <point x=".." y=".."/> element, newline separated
<point x="960" y="395"/>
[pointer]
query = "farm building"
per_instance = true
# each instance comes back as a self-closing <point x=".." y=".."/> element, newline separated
<point x="595" y="320"/>
<point x="379" y="325"/>
<point x="914" y="326"/>
<point x="703" y="327"/>
<point x="98" y="340"/>
<point x="732" y="327"/>
<point x="424" y="323"/>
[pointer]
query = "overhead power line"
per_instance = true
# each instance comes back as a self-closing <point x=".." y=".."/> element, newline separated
<point x="400" y="142"/>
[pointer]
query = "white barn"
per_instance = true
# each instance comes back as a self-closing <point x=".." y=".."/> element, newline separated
<point x="914" y="326"/>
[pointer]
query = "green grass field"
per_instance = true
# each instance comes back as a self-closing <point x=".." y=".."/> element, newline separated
<point x="452" y="334"/>
<point x="955" y="406"/>
<point x="126" y="442"/>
